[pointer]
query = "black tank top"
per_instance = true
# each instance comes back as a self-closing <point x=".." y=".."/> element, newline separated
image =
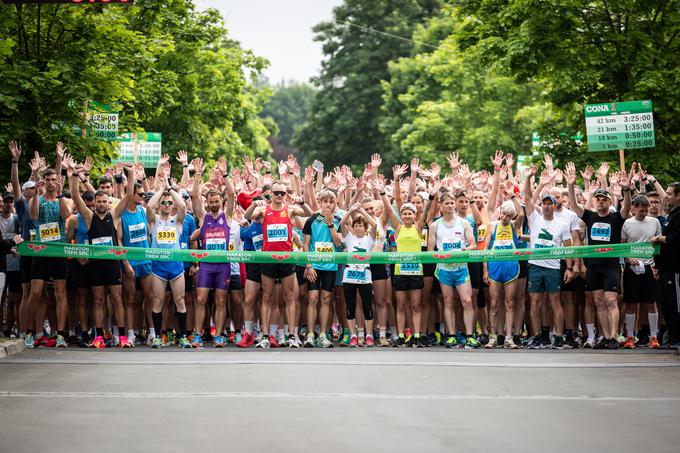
<point x="102" y="231"/>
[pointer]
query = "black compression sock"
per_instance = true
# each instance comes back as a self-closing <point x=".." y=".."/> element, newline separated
<point x="157" y="322"/>
<point x="181" y="323"/>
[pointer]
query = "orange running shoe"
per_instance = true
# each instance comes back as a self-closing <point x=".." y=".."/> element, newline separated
<point x="630" y="343"/>
<point x="654" y="343"/>
<point x="164" y="337"/>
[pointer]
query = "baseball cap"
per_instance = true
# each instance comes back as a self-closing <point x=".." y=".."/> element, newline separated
<point x="550" y="197"/>
<point x="148" y="195"/>
<point x="7" y="195"/>
<point x="28" y="185"/>
<point x="245" y="199"/>
<point x="602" y="193"/>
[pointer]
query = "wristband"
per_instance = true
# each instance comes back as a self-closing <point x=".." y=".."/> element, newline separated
<point x="185" y="165"/>
<point x="382" y="193"/>
<point x="225" y="175"/>
<point x="15" y="161"/>
<point x="497" y="168"/>
<point x="267" y="172"/>
<point x="330" y="225"/>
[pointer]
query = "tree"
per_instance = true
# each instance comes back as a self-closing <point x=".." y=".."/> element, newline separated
<point x="288" y="107"/>
<point x="587" y="52"/>
<point x="169" y="68"/>
<point x="343" y="126"/>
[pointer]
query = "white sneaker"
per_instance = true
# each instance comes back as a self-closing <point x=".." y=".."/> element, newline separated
<point x="510" y="343"/>
<point x="281" y="339"/>
<point x="149" y="340"/>
<point x="589" y="344"/>
<point x="493" y="342"/>
<point x="131" y="340"/>
<point x="309" y="341"/>
<point x="293" y="342"/>
<point x="263" y="344"/>
<point x="324" y="342"/>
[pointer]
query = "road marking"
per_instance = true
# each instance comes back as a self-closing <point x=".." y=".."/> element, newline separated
<point x="236" y="361"/>
<point x="333" y="396"/>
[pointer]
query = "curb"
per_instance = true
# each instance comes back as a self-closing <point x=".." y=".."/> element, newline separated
<point x="11" y="347"/>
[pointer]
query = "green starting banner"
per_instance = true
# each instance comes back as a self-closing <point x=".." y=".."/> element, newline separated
<point x="636" y="250"/>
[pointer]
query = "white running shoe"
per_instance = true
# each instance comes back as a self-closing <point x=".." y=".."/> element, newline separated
<point x="493" y="342"/>
<point x="293" y="342"/>
<point x="263" y="344"/>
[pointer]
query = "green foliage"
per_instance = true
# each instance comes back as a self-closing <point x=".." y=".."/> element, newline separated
<point x="343" y="126"/>
<point x="587" y="52"/>
<point x="288" y="107"/>
<point x="171" y="69"/>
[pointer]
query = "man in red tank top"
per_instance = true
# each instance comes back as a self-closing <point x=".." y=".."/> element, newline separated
<point x="277" y="227"/>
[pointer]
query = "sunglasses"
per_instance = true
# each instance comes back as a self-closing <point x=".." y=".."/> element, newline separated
<point x="279" y="193"/>
<point x="166" y="203"/>
<point x="140" y="194"/>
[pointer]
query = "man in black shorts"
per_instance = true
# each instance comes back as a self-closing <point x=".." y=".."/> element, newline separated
<point x="603" y="275"/>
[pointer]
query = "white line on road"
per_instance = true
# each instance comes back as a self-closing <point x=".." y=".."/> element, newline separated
<point x="337" y="396"/>
<point x="99" y="362"/>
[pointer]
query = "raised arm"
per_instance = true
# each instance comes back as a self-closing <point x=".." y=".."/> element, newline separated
<point x="528" y="195"/>
<point x="15" y="150"/>
<point x="196" y="199"/>
<point x="570" y="175"/>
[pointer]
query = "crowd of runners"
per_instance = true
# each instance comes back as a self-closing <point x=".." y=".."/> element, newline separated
<point x="254" y="206"/>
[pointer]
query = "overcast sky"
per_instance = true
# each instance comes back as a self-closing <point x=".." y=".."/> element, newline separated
<point x="279" y="30"/>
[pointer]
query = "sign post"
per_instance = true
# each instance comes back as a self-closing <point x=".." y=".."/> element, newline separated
<point x="620" y="125"/>
<point x="144" y="147"/>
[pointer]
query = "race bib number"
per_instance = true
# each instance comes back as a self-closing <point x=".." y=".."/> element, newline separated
<point x="277" y="232"/>
<point x="451" y="245"/>
<point x="215" y="244"/>
<point x="166" y="235"/>
<point x="137" y="233"/>
<point x="503" y="244"/>
<point x="232" y="246"/>
<point x="321" y="247"/>
<point x="50" y="232"/>
<point x="409" y="269"/>
<point x="601" y="232"/>
<point x="257" y="242"/>
<point x="423" y="238"/>
<point x="106" y="241"/>
<point x="543" y="244"/>
<point x="356" y="274"/>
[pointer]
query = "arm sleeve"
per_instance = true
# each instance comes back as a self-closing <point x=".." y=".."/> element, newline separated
<point x="307" y="229"/>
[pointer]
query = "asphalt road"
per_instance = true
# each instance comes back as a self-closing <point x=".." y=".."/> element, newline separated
<point x="340" y="400"/>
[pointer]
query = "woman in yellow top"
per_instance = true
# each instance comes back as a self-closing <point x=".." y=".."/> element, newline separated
<point x="408" y="277"/>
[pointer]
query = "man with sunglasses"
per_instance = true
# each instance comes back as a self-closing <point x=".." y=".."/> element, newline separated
<point x="133" y="231"/>
<point x="277" y="230"/>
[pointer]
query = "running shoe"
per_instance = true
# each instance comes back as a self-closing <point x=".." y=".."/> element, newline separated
<point x="149" y="340"/>
<point x="164" y="338"/>
<point x="132" y="341"/>
<point x="220" y="341"/>
<point x="98" y="343"/>
<point x="621" y="339"/>
<point x="451" y="341"/>
<point x="197" y="341"/>
<point x="273" y="343"/>
<point x="535" y="342"/>
<point x="602" y="343"/>
<point x="232" y="337"/>
<point x="61" y="343"/>
<point x="323" y="342"/>
<point x="237" y="337"/>
<point x="157" y="343"/>
<point x="123" y="342"/>
<point x="72" y="340"/>
<point x="246" y="341"/>
<point x="408" y="341"/>
<point x="293" y="342"/>
<point x="545" y="341"/>
<point x="558" y="342"/>
<point x="184" y="343"/>
<point x="309" y="341"/>
<point x="492" y="343"/>
<point x="630" y="343"/>
<point x="399" y="342"/>
<point x="570" y="342"/>
<point x="362" y="341"/>
<point x="28" y="341"/>
<point x="344" y="342"/>
<point x="370" y="342"/>
<point x="353" y="343"/>
<point x="460" y="338"/>
<point x="281" y="340"/>
<point x="383" y="343"/>
<point x="613" y="344"/>
<point x="263" y="343"/>
<point x="483" y="339"/>
<point x="420" y="342"/>
<point x="509" y="343"/>
<point x="589" y="343"/>
<point x="471" y="343"/>
<point x="644" y="340"/>
<point x="171" y="337"/>
<point x="654" y="343"/>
